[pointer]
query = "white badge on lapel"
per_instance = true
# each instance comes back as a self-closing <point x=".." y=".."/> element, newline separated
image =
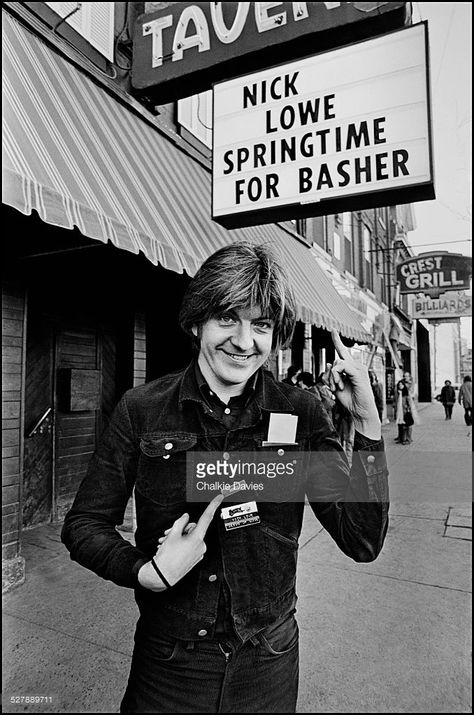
<point x="240" y="515"/>
<point x="281" y="429"/>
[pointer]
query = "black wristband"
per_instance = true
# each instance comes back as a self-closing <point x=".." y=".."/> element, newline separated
<point x="167" y="583"/>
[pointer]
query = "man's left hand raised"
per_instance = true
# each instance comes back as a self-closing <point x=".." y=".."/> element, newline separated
<point x="354" y="392"/>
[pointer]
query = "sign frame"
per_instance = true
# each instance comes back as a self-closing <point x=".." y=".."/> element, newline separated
<point x="431" y="263"/>
<point x="430" y="311"/>
<point x="373" y="198"/>
<point x="332" y="27"/>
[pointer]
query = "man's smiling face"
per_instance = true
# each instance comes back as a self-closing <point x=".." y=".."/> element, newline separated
<point x="234" y="344"/>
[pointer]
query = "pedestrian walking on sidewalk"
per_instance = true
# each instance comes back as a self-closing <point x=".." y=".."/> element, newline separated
<point x="465" y="399"/>
<point x="215" y="586"/>
<point x="448" y="398"/>
<point x="407" y="414"/>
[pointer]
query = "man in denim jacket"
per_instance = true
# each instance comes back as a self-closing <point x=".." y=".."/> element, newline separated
<point x="217" y="631"/>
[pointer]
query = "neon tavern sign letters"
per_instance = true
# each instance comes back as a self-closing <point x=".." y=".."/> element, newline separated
<point x="193" y="21"/>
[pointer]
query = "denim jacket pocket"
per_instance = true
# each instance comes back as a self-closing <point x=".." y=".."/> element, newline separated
<point x="287" y="540"/>
<point x="281" y="638"/>
<point x="289" y="467"/>
<point x="161" y="473"/>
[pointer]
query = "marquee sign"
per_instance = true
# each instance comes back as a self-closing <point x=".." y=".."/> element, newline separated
<point x="434" y="273"/>
<point x="452" y="305"/>
<point x="339" y="131"/>
<point x="182" y="49"/>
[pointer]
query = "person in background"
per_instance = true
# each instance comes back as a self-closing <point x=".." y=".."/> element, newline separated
<point x="344" y="425"/>
<point x="292" y="375"/>
<point x="340" y="416"/>
<point x="326" y="393"/>
<point x="465" y="399"/>
<point x="407" y="414"/>
<point x="448" y="398"/>
<point x="305" y="381"/>
<point x="378" y="393"/>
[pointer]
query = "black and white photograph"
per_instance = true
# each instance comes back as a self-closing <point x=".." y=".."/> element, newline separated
<point x="237" y="357"/>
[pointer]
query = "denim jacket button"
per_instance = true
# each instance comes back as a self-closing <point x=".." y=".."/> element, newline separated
<point x="212" y="577"/>
<point x="371" y="459"/>
<point x="281" y="452"/>
<point x="202" y="633"/>
<point x="169" y="445"/>
<point x="226" y="455"/>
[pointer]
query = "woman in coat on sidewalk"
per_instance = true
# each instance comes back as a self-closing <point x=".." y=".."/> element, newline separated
<point x="448" y="398"/>
<point x="465" y="399"/>
<point x="407" y="414"/>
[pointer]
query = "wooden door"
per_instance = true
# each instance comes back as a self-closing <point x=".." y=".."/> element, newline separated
<point x="78" y="426"/>
<point x="77" y="348"/>
<point x="38" y="443"/>
<point x="60" y="438"/>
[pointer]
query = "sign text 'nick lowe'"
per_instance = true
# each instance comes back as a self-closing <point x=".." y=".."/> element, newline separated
<point x="342" y="130"/>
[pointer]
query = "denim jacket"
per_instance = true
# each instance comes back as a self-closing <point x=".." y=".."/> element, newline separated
<point x="145" y="446"/>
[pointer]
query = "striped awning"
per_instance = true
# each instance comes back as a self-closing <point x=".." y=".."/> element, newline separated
<point x="80" y="158"/>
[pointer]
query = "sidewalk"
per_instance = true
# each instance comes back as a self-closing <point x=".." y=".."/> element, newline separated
<point x="389" y="636"/>
<point x="393" y="636"/>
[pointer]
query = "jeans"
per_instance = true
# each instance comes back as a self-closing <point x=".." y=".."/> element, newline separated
<point x="404" y="434"/>
<point x="448" y="409"/>
<point x="214" y="676"/>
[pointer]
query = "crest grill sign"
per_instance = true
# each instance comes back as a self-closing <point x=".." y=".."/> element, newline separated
<point x="434" y="273"/>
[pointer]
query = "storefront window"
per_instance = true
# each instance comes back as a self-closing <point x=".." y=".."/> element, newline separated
<point x="284" y="362"/>
<point x="93" y="20"/>
<point x="308" y="362"/>
<point x="195" y="115"/>
<point x="368" y="255"/>
<point x="348" y="244"/>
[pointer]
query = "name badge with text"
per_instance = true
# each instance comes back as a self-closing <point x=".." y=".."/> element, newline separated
<point x="240" y="515"/>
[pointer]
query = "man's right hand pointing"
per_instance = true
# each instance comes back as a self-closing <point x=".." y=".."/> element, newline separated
<point x="181" y="549"/>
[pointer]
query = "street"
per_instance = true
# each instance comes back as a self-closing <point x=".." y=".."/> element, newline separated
<point x="388" y="636"/>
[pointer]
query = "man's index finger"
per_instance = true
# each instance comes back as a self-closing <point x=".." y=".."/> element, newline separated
<point x="207" y="516"/>
<point x="342" y="351"/>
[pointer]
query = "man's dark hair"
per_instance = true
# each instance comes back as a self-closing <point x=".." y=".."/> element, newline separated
<point x="238" y="277"/>
<point x="306" y="378"/>
<point x="292" y="370"/>
<point x="467" y="379"/>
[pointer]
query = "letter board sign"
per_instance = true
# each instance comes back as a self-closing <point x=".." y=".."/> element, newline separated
<point x="339" y="131"/>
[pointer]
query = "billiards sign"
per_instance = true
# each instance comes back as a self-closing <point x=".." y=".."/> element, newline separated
<point x="338" y="131"/>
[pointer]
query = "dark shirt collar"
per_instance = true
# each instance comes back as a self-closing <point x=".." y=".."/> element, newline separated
<point x="266" y="390"/>
<point x="210" y="396"/>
